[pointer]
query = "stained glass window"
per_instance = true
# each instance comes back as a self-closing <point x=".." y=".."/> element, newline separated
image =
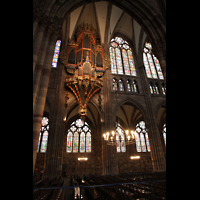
<point x="131" y="62"/>
<point x="123" y="145"/>
<point x="141" y="137"/>
<point x="56" y="53"/>
<point x="134" y="87"/>
<point x="114" y="86"/>
<point x="120" y="146"/>
<point x="164" y="133"/>
<point x="79" y="136"/>
<point x="125" y="60"/>
<point x="82" y="142"/>
<point x="152" y="62"/>
<point x="146" y="64"/>
<point x="151" y="90"/>
<point x="147" y="141"/>
<point x="88" y="142"/>
<point x="79" y="123"/>
<point x="163" y="89"/>
<point x="142" y="142"/>
<point x="119" y="61"/>
<point x="128" y="86"/>
<point x="43" y="138"/>
<point x="69" y="142"/>
<point x="137" y="140"/>
<point x="153" y="71"/>
<point x="113" y="63"/>
<point x="158" y="68"/>
<point x="76" y="139"/>
<point x="121" y="51"/>
<point x="121" y="85"/>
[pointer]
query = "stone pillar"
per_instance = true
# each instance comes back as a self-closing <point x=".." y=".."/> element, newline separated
<point x="39" y="109"/>
<point x="157" y="155"/>
<point x="39" y="67"/>
<point x="35" y="23"/>
<point x="37" y="45"/>
<point x="111" y="154"/>
<point x="54" y="153"/>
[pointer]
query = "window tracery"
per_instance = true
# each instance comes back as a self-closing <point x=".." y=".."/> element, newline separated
<point x="79" y="137"/>
<point x="141" y="138"/>
<point x="43" y="138"/>
<point x="151" y="63"/>
<point x="121" y="57"/>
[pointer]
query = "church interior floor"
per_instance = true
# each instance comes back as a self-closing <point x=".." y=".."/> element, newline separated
<point x="69" y="191"/>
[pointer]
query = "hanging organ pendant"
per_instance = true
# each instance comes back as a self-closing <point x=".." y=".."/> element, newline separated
<point x="85" y="67"/>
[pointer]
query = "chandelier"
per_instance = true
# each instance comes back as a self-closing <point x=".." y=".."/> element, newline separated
<point x="113" y="137"/>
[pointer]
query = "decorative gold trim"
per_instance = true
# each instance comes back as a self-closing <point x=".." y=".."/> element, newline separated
<point x="107" y="62"/>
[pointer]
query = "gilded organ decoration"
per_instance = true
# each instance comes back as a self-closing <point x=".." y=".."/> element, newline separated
<point x="84" y="66"/>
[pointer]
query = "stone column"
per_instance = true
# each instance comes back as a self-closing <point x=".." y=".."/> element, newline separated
<point x="53" y="163"/>
<point x="37" y="45"/>
<point x="111" y="154"/>
<point x="157" y="155"/>
<point x="39" y="67"/>
<point x="39" y="109"/>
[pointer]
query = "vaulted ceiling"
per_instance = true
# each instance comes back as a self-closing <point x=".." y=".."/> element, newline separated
<point x="108" y="20"/>
<point x="128" y="116"/>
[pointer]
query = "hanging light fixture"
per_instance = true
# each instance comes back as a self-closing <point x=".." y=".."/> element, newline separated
<point x="111" y="137"/>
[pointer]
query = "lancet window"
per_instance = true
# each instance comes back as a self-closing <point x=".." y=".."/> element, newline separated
<point x="121" y="57"/>
<point x="142" y="138"/>
<point x="79" y="137"/>
<point x="56" y="53"/>
<point x="43" y="138"/>
<point x="151" y="63"/>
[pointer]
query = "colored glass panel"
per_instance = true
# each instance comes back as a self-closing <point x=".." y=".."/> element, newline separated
<point x="148" y="45"/>
<point x="85" y="128"/>
<point x="158" y="68"/>
<point x="147" y="142"/>
<point x="79" y="123"/>
<point x="114" y="44"/>
<point x="69" y="142"/>
<point x="142" y="125"/>
<point x="44" y="121"/>
<point x="73" y="128"/>
<point x="142" y="142"/>
<point x="44" y="142"/>
<point x="119" y="40"/>
<point x="128" y="87"/>
<point x="153" y="71"/>
<point x="75" y="143"/>
<point x="114" y="86"/>
<point x="39" y="143"/>
<point x="131" y="62"/>
<point x="123" y="145"/>
<point x="56" y="53"/>
<point x="125" y="60"/>
<point x="113" y="63"/>
<point x="82" y="142"/>
<point x="137" y="139"/>
<point x="164" y="133"/>
<point x="117" y="142"/>
<point x="121" y="86"/>
<point x="151" y="90"/>
<point x="119" y="61"/>
<point x="88" y="142"/>
<point x="146" y="64"/>
<point x="125" y="46"/>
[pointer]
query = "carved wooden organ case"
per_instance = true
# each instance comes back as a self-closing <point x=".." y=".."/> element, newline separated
<point x="84" y="64"/>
